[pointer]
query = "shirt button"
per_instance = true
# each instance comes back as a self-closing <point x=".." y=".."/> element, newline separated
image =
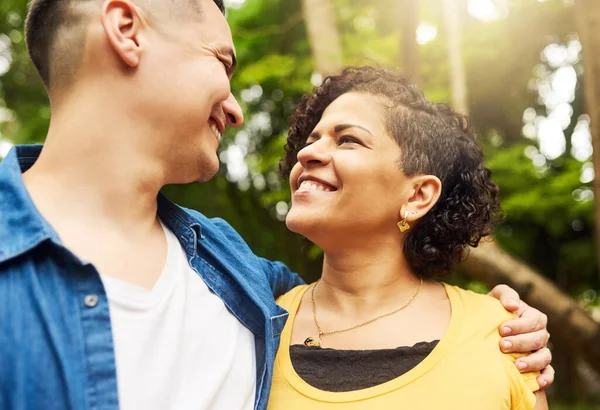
<point x="91" y="301"/>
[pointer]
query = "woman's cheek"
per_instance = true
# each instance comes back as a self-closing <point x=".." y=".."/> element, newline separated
<point x="295" y="173"/>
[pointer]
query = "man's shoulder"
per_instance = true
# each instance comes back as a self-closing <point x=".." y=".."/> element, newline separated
<point x="194" y="214"/>
<point x="214" y="227"/>
<point x="224" y="243"/>
<point x="220" y="243"/>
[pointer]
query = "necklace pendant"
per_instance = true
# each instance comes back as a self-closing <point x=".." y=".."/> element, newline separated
<point x="311" y="342"/>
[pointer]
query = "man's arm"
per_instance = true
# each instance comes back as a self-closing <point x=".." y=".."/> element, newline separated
<point x="525" y="334"/>
<point x="540" y="400"/>
<point x="280" y="277"/>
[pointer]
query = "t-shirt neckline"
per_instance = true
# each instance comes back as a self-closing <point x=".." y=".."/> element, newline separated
<point x="446" y="342"/>
<point x="140" y="298"/>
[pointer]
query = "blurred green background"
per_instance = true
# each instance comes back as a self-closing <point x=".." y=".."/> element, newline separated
<point x="523" y="77"/>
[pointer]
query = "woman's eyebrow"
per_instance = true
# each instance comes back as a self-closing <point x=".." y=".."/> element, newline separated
<point x="342" y="127"/>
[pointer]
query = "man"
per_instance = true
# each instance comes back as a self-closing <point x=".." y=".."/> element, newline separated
<point x="102" y="279"/>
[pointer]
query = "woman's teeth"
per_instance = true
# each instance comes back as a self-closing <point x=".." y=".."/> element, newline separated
<point x="313" y="186"/>
<point x="215" y="131"/>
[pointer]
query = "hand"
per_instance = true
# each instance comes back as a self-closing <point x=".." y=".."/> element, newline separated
<point x="525" y="334"/>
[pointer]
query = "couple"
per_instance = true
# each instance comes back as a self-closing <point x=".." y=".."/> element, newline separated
<point x="111" y="296"/>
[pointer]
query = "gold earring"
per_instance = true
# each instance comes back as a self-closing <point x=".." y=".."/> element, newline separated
<point x="403" y="224"/>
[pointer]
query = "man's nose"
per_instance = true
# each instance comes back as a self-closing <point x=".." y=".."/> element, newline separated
<point x="233" y="112"/>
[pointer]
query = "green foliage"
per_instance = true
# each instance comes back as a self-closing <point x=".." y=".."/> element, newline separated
<point x="545" y="223"/>
<point x="21" y="89"/>
<point x="273" y="53"/>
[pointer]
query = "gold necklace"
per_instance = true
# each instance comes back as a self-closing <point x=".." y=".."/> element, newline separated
<point x="312" y="342"/>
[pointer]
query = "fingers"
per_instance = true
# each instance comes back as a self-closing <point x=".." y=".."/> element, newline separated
<point x="530" y="320"/>
<point x="507" y="296"/>
<point x="546" y="378"/>
<point x="525" y="343"/>
<point x="535" y="362"/>
<point x="525" y="334"/>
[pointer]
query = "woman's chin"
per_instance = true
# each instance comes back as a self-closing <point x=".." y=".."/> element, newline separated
<point x="302" y="226"/>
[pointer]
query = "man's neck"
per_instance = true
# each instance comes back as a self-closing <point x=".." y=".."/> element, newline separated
<point x="92" y="169"/>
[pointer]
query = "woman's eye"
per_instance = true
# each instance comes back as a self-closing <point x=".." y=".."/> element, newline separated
<point x="306" y="144"/>
<point x="345" y="139"/>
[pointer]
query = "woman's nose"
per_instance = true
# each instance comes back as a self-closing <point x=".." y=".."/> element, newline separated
<point x="316" y="153"/>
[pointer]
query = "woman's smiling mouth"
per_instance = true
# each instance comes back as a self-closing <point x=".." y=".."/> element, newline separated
<point x="314" y="186"/>
<point x="310" y="184"/>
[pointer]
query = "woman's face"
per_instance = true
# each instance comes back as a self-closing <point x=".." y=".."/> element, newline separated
<point x="347" y="182"/>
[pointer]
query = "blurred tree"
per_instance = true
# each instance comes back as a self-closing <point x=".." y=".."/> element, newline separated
<point x="452" y="12"/>
<point x="490" y="265"/>
<point x="323" y="35"/>
<point x="576" y="329"/>
<point x="409" y="48"/>
<point x="588" y="25"/>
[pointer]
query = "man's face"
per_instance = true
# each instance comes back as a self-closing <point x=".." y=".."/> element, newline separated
<point x="184" y="89"/>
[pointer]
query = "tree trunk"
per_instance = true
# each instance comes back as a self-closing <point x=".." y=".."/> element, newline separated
<point x="323" y="36"/>
<point x="458" y="79"/>
<point x="489" y="264"/>
<point x="411" y="62"/>
<point x="587" y="13"/>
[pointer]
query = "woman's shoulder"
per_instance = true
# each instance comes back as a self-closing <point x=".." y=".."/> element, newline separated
<point x="479" y="308"/>
<point x="479" y="334"/>
<point x="292" y="298"/>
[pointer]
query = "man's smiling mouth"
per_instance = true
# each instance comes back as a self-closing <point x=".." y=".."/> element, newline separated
<point x="214" y="126"/>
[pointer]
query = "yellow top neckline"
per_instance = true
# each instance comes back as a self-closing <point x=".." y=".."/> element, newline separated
<point x="446" y="342"/>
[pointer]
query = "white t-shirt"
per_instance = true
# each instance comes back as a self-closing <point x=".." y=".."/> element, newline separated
<point x="177" y="346"/>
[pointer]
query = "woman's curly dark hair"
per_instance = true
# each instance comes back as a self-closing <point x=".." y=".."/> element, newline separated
<point x="433" y="140"/>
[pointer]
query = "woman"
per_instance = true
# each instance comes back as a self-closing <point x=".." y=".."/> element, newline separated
<point x="393" y="189"/>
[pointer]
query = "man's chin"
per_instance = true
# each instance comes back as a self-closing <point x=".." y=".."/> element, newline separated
<point x="203" y="179"/>
<point x="208" y="172"/>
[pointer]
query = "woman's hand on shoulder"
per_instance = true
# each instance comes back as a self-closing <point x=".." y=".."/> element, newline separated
<point x="525" y="334"/>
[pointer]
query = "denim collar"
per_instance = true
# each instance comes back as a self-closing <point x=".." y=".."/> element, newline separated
<point x="22" y="227"/>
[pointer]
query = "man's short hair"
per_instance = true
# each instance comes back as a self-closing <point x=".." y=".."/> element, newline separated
<point x="46" y="19"/>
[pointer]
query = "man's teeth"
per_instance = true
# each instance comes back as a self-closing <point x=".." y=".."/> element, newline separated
<point x="215" y="130"/>
<point x="313" y="186"/>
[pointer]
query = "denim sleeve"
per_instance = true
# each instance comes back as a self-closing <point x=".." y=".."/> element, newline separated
<point x="280" y="277"/>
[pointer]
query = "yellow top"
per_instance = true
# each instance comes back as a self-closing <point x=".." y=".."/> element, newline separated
<point x="465" y="371"/>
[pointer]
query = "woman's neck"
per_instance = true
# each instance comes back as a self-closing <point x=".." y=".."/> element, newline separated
<point x="370" y="281"/>
<point x="368" y="297"/>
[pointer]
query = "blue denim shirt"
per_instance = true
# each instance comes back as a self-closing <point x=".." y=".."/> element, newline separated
<point x="56" y="344"/>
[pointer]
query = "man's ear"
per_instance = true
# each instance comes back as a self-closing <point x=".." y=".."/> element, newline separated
<point x="427" y="190"/>
<point x="122" y="22"/>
